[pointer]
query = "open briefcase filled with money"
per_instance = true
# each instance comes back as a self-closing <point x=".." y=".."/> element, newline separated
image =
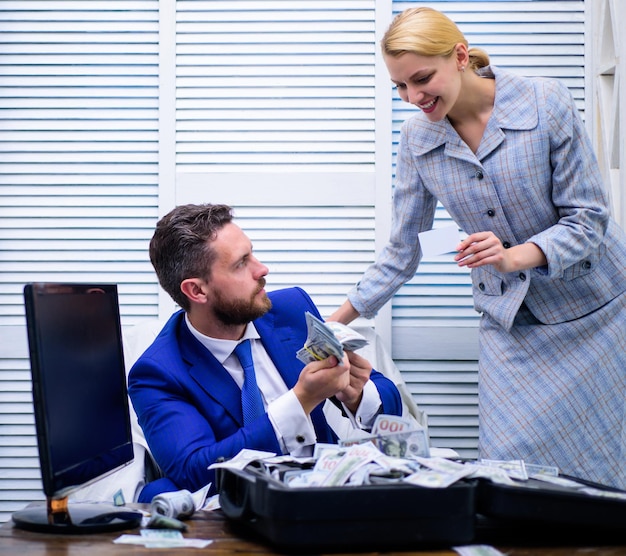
<point x="308" y="506"/>
<point x="369" y="517"/>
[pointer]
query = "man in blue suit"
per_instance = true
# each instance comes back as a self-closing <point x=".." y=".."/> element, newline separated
<point x="186" y="388"/>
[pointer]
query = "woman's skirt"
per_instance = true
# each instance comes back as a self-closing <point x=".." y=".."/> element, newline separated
<point x="555" y="394"/>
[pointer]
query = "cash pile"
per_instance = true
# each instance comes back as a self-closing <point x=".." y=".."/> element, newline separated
<point x="365" y="464"/>
<point x="328" y="338"/>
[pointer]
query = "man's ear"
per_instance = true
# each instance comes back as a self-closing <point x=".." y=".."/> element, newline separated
<point x="194" y="289"/>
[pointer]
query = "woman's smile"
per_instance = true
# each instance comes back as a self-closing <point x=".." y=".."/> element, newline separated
<point x="429" y="106"/>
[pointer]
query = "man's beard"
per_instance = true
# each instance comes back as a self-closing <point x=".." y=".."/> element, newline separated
<point x="240" y="311"/>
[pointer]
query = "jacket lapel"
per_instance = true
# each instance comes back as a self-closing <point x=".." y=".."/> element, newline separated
<point x="210" y="374"/>
<point x="281" y="345"/>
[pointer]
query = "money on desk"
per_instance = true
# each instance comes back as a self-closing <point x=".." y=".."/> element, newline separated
<point x="328" y="338"/>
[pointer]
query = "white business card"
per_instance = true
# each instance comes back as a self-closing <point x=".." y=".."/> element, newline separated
<point x="439" y="241"/>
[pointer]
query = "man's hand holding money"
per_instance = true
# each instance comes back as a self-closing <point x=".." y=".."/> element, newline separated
<point x="360" y="370"/>
<point x="320" y="380"/>
<point x="337" y="342"/>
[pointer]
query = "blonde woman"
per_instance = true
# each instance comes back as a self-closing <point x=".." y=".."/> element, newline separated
<point x="509" y="159"/>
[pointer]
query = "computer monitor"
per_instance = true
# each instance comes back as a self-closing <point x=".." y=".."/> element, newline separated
<point x="80" y="403"/>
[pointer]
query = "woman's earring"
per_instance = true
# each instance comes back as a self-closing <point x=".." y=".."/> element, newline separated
<point x="462" y="68"/>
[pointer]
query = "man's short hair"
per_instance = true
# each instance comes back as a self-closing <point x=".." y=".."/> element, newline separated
<point x="181" y="245"/>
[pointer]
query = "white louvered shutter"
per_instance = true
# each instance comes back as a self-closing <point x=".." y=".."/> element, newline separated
<point x="275" y="115"/>
<point x="78" y="181"/>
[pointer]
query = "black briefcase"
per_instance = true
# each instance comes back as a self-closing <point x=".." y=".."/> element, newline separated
<point x="535" y="511"/>
<point x="372" y="517"/>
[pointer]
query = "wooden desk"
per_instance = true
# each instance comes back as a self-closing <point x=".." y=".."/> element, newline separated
<point x="227" y="541"/>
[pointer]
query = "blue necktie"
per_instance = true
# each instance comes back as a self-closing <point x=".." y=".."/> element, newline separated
<point x="251" y="402"/>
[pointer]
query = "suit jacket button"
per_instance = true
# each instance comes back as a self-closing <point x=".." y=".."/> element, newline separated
<point x="491" y="212"/>
<point x="479" y="175"/>
<point x="506" y="244"/>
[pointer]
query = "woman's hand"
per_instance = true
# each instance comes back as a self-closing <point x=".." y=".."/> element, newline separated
<point x="344" y="314"/>
<point x="484" y="248"/>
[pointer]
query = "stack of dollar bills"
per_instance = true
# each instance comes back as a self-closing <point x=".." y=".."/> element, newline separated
<point x="328" y="338"/>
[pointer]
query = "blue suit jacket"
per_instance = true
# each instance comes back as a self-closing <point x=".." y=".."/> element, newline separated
<point x="189" y="407"/>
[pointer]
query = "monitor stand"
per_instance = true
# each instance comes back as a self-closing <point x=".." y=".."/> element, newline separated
<point x="57" y="516"/>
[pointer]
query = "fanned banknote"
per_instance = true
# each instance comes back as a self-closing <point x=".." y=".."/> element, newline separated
<point x="328" y="338"/>
<point x="398" y="437"/>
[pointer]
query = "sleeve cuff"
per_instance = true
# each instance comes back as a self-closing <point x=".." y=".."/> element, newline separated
<point x="368" y="408"/>
<point x="292" y="426"/>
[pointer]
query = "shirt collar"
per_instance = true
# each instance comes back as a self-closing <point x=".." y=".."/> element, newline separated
<point x="222" y="349"/>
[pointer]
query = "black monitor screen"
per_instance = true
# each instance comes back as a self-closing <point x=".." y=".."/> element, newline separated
<point x="79" y="383"/>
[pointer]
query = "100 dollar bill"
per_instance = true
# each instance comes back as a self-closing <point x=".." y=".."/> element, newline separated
<point x="328" y="338"/>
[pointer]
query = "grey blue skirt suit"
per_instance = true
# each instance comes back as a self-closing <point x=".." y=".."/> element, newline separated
<point x="552" y="368"/>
